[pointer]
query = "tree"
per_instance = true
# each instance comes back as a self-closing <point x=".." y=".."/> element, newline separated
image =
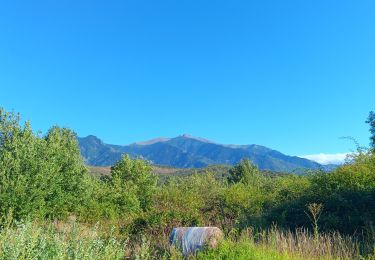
<point x="371" y="122"/>
<point x="136" y="175"/>
<point x="39" y="176"/>
<point x="20" y="169"/>
<point x="67" y="187"/>
<point x="245" y="172"/>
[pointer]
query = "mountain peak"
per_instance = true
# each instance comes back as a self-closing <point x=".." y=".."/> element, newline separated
<point x="153" y="141"/>
<point x="187" y="136"/>
<point x="200" y="139"/>
<point x="187" y="151"/>
<point x="92" y="138"/>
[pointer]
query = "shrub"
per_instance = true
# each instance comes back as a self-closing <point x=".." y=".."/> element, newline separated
<point x="134" y="176"/>
<point x="39" y="176"/>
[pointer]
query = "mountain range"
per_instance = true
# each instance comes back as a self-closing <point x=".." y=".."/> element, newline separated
<point x="186" y="151"/>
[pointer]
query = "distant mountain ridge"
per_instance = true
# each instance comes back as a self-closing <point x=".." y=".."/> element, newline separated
<point x="186" y="151"/>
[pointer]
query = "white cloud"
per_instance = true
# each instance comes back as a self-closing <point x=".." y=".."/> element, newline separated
<point x="323" y="158"/>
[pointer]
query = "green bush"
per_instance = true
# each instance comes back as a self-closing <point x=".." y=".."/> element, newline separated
<point x="133" y="177"/>
<point x="188" y="201"/>
<point x="40" y="176"/>
<point x="347" y="194"/>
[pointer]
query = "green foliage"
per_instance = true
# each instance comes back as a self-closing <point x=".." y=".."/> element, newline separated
<point x="125" y="195"/>
<point x="134" y="176"/>
<point x="39" y="176"/>
<point x="67" y="186"/>
<point x="347" y="194"/>
<point x="235" y="203"/>
<point x="45" y="177"/>
<point x="245" y="172"/>
<point x="371" y="122"/>
<point x="189" y="201"/>
<point x="289" y="188"/>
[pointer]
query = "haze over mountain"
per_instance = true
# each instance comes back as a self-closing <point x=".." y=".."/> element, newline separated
<point x="187" y="151"/>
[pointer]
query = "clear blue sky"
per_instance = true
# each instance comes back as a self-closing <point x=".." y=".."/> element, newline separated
<point x="291" y="75"/>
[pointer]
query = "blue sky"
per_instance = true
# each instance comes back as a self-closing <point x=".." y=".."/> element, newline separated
<point x="291" y="75"/>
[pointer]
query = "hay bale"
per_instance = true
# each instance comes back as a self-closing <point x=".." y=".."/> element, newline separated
<point x="192" y="239"/>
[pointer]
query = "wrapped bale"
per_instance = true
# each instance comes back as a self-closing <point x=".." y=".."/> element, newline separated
<point x="192" y="239"/>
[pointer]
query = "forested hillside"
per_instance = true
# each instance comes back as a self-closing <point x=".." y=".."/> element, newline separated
<point x="186" y="151"/>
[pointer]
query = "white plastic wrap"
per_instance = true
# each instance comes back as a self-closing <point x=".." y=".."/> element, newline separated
<point x="192" y="239"/>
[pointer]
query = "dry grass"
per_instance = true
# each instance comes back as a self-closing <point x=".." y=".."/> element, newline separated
<point x="283" y="245"/>
<point x="71" y="240"/>
<point x="303" y="245"/>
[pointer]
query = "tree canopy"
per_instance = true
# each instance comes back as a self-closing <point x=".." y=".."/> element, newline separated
<point x="371" y="122"/>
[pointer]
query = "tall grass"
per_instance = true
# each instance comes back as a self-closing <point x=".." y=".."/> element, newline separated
<point x="310" y="246"/>
<point x="70" y="240"/>
<point x="276" y="244"/>
<point x="31" y="240"/>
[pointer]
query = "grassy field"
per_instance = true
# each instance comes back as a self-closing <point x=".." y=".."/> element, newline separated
<point x="70" y="240"/>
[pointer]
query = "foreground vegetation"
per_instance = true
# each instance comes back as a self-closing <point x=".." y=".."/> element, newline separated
<point x="71" y="240"/>
<point x="51" y="207"/>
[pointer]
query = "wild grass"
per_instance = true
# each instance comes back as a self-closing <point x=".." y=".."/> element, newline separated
<point x="70" y="240"/>
<point x="31" y="240"/>
<point x="277" y="244"/>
